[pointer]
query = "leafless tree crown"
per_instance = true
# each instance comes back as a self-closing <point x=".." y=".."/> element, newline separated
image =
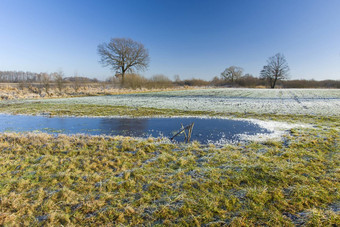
<point x="59" y="79"/>
<point x="123" y="55"/>
<point x="232" y="73"/>
<point x="276" y="69"/>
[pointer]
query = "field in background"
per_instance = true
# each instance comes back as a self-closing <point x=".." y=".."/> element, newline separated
<point x="95" y="180"/>
<point x="323" y="102"/>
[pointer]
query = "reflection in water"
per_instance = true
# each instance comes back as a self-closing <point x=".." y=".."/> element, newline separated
<point x="124" y="126"/>
<point x="205" y="130"/>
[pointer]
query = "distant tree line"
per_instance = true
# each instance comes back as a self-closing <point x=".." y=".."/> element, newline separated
<point x="18" y="76"/>
<point x="44" y="81"/>
<point x="21" y="76"/>
<point x="253" y="82"/>
<point x="126" y="56"/>
<point x="39" y="82"/>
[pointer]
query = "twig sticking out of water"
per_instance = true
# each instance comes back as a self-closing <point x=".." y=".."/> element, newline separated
<point x="190" y="132"/>
<point x="182" y="130"/>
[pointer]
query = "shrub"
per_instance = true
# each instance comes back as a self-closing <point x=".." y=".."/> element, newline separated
<point x="196" y="82"/>
<point x="134" y="81"/>
<point x="159" y="81"/>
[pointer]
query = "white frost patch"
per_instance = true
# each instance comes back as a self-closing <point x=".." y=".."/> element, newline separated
<point x="320" y="102"/>
<point x="278" y="129"/>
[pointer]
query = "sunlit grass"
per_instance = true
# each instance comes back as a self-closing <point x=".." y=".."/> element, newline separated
<point x="82" y="180"/>
<point x="38" y="108"/>
<point x="96" y="180"/>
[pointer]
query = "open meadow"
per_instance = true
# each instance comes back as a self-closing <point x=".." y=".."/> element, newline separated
<point x="170" y="113"/>
<point x="324" y="102"/>
<point x="290" y="179"/>
<point x="314" y="102"/>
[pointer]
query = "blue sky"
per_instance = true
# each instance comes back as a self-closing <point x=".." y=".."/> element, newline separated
<point x="189" y="38"/>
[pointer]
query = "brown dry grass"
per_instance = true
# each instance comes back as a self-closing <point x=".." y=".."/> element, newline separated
<point x="10" y="91"/>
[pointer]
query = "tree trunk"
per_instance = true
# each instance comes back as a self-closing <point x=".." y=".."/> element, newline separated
<point x="273" y="85"/>
<point x="123" y="74"/>
<point x="122" y="80"/>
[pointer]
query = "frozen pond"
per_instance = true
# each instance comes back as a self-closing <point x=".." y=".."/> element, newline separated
<point x="206" y="130"/>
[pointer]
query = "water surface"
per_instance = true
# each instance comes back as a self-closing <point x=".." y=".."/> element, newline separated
<point x="206" y="130"/>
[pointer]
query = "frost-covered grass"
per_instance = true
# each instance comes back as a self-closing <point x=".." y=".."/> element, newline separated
<point x="253" y="93"/>
<point x="317" y="102"/>
<point x="112" y="181"/>
<point x="81" y="180"/>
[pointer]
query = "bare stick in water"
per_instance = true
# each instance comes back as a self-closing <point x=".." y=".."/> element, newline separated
<point x="182" y="130"/>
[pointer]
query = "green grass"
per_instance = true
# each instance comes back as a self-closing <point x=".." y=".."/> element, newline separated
<point x="38" y="108"/>
<point x="84" y="180"/>
<point x="81" y="180"/>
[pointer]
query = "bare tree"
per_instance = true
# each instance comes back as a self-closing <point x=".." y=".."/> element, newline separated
<point x="232" y="73"/>
<point x="177" y="78"/>
<point x="58" y="78"/>
<point x="45" y="82"/>
<point x="276" y="69"/>
<point x="77" y="82"/>
<point x="123" y="55"/>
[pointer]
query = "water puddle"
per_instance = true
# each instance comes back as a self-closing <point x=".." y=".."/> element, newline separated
<point x="206" y="130"/>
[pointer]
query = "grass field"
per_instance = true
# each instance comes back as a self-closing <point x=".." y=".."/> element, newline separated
<point x="83" y="180"/>
<point x="317" y="102"/>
